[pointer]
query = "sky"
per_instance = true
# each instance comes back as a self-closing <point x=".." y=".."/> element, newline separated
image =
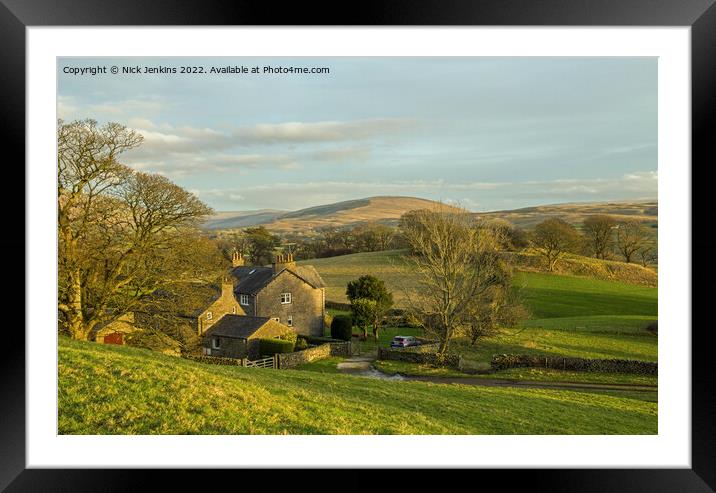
<point x="486" y="133"/>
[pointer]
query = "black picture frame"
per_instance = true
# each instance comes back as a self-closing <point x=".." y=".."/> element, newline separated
<point x="700" y="15"/>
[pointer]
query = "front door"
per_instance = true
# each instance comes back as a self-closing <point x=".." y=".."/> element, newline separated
<point x="114" y="338"/>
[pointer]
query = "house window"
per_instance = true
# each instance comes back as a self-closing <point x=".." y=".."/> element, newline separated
<point x="215" y="343"/>
<point x="289" y="321"/>
<point x="285" y="298"/>
<point x="208" y="315"/>
<point x="277" y="319"/>
<point x="244" y="299"/>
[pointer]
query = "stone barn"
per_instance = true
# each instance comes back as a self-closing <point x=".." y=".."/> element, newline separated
<point x="237" y="336"/>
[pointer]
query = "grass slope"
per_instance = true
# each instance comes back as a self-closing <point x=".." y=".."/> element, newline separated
<point x="571" y="316"/>
<point x="121" y="390"/>
<point x="556" y="301"/>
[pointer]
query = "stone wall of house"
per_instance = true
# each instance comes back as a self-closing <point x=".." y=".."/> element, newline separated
<point x="230" y="347"/>
<point x="504" y="361"/>
<point x="291" y="360"/>
<point x="224" y="305"/>
<point x="306" y="307"/>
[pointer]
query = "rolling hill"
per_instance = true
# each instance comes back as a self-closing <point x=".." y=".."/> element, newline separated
<point x="241" y="219"/>
<point x="340" y="214"/>
<point x="526" y="218"/>
<point x="387" y="209"/>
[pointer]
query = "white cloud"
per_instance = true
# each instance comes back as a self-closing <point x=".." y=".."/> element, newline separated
<point x="326" y="131"/>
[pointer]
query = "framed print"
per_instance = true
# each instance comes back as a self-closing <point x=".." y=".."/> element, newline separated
<point x="422" y="236"/>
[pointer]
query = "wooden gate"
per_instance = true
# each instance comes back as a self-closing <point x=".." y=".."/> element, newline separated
<point x="261" y="363"/>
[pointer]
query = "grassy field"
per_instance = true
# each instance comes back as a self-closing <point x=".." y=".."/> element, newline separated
<point x="601" y="296"/>
<point x="551" y="296"/>
<point x="571" y="316"/>
<point x="121" y="390"/>
<point x="389" y="266"/>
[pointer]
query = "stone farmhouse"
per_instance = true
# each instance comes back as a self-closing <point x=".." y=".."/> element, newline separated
<point x="253" y="302"/>
<point x="285" y="292"/>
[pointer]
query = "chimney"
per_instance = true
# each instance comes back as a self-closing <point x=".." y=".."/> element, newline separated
<point x="227" y="287"/>
<point x="283" y="261"/>
<point x="237" y="260"/>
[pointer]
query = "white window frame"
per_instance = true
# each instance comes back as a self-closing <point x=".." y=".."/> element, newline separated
<point x="244" y="299"/>
<point x="215" y="343"/>
<point x="285" y="298"/>
<point x="289" y="321"/>
<point x="209" y="315"/>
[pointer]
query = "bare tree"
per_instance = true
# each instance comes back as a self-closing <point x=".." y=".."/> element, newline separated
<point x="119" y="231"/>
<point x="647" y="255"/>
<point x="457" y="262"/>
<point x="499" y="306"/>
<point x="631" y="236"/>
<point x="599" y="232"/>
<point x="553" y="237"/>
<point x="373" y="236"/>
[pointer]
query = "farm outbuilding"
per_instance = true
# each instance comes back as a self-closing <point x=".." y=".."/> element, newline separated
<point x="115" y="332"/>
<point x="237" y="336"/>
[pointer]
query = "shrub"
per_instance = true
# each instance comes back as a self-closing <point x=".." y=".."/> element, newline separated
<point x="327" y="320"/>
<point x="342" y="327"/>
<point x="301" y="344"/>
<point x="289" y="336"/>
<point x="269" y="347"/>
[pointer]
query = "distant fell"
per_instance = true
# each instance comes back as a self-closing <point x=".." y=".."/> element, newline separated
<point x="384" y="209"/>
<point x="645" y="211"/>
<point x="388" y="209"/>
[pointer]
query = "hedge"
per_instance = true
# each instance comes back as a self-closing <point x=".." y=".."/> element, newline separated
<point x="342" y="327"/>
<point x="301" y="343"/>
<point x="269" y="347"/>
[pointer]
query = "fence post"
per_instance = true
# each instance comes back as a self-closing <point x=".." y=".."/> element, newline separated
<point x="275" y="361"/>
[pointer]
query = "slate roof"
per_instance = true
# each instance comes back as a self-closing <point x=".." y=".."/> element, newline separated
<point x="237" y="326"/>
<point x="254" y="279"/>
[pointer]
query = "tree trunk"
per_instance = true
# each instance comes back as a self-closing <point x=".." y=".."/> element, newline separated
<point x="443" y="346"/>
<point x="75" y="317"/>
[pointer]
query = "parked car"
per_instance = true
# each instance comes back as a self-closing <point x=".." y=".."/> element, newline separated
<point x="404" y="341"/>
